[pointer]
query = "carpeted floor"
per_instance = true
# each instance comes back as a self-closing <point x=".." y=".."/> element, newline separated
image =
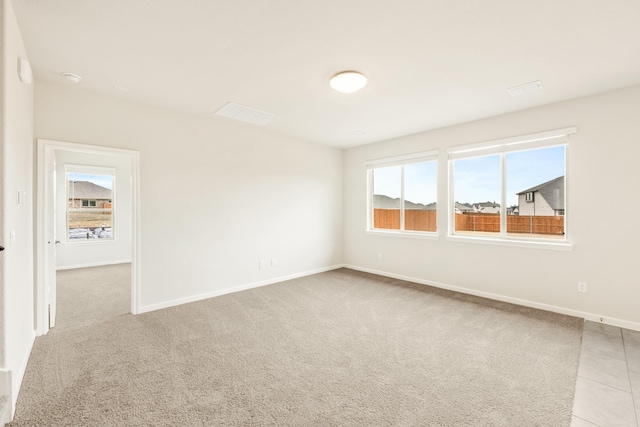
<point x="86" y="296"/>
<point x="341" y="348"/>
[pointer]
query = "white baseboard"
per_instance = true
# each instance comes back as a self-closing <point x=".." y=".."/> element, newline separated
<point x="5" y="382"/>
<point x="93" y="264"/>
<point x="541" y="306"/>
<point x="199" y="297"/>
<point x="6" y="412"/>
<point x="11" y="380"/>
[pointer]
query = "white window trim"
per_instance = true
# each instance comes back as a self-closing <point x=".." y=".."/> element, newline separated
<point x="411" y="234"/>
<point x="99" y="170"/>
<point x="425" y="156"/>
<point x="559" y="137"/>
<point x="513" y="242"/>
<point x="527" y="142"/>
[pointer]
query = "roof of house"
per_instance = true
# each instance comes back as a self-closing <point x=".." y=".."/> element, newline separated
<point x="380" y="201"/>
<point x="487" y="205"/>
<point x="88" y="190"/>
<point x="552" y="191"/>
<point x="463" y="208"/>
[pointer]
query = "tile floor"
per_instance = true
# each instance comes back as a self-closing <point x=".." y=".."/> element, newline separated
<point x="608" y="385"/>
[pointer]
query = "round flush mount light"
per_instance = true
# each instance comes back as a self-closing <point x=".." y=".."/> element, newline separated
<point x="72" y="77"/>
<point x="348" y="81"/>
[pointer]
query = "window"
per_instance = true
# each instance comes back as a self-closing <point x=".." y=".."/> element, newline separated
<point x="510" y="189"/>
<point x="90" y="203"/>
<point x="403" y="193"/>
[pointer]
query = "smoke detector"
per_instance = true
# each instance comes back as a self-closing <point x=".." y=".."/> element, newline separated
<point x="72" y="77"/>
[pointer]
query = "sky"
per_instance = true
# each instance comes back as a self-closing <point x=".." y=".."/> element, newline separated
<point x="419" y="182"/>
<point x="476" y="179"/>
<point x="105" y="181"/>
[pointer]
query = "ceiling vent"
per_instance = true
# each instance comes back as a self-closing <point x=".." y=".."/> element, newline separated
<point x="527" y="87"/>
<point x="246" y="114"/>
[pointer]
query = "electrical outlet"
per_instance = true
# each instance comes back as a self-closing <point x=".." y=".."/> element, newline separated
<point x="273" y="262"/>
<point x="582" y="286"/>
<point x="263" y="263"/>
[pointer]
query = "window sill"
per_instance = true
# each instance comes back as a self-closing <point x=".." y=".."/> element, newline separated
<point x="533" y="244"/>
<point x="84" y="242"/>
<point x="408" y="234"/>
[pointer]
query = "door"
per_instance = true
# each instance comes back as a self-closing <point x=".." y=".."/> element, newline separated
<point x="50" y="234"/>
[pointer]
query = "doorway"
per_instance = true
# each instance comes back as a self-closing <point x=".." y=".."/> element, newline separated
<point x="89" y="296"/>
<point x="80" y="184"/>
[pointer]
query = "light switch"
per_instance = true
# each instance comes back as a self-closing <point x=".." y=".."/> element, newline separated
<point x="22" y="197"/>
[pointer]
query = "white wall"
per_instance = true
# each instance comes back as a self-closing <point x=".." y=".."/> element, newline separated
<point x="17" y="328"/>
<point x="602" y="158"/>
<point x="216" y="196"/>
<point x="94" y="252"/>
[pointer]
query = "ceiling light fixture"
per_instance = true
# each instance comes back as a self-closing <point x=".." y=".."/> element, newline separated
<point x="348" y="81"/>
<point x="72" y="77"/>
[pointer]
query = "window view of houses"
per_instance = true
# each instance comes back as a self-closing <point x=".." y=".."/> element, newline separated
<point x="90" y="207"/>
<point x="540" y="211"/>
<point x="535" y="194"/>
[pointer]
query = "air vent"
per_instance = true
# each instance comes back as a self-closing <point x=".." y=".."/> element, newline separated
<point x="246" y="114"/>
<point x="527" y="87"/>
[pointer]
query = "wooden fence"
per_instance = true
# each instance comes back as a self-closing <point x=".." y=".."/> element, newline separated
<point x="418" y="220"/>
<point x="414" y="220"/>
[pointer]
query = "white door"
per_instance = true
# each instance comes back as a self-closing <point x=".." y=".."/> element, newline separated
<point x="50" y="233"/>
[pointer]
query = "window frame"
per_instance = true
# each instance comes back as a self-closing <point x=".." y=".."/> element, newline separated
<point x="371" y="165"/>
<point x="97" y="170"/>
<point x="502" y="147"/>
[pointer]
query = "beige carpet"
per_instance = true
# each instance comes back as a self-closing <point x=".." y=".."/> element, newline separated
<point x="341" y="348"/>
<point x="86" y="296"/>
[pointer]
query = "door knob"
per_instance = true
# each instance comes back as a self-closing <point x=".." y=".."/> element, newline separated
<point x="1" y="248"/>
<point x="57" y="241"/>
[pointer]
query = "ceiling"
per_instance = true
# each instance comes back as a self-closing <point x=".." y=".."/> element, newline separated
<point x="430" y="63"/>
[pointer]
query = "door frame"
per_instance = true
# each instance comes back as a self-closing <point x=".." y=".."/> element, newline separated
<point x="45" y="224"/>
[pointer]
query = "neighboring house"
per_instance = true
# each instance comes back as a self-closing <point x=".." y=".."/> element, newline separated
<point x="462" y="208"/>
<point x="513" y="210"/>
<point x="85" y="194"/>
<point x="381" y="201"/>
<point x="546" y="199"/>
<point x="487" y="208"/>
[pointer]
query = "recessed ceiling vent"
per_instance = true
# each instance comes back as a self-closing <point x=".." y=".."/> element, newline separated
<point x="246" y="114"/>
